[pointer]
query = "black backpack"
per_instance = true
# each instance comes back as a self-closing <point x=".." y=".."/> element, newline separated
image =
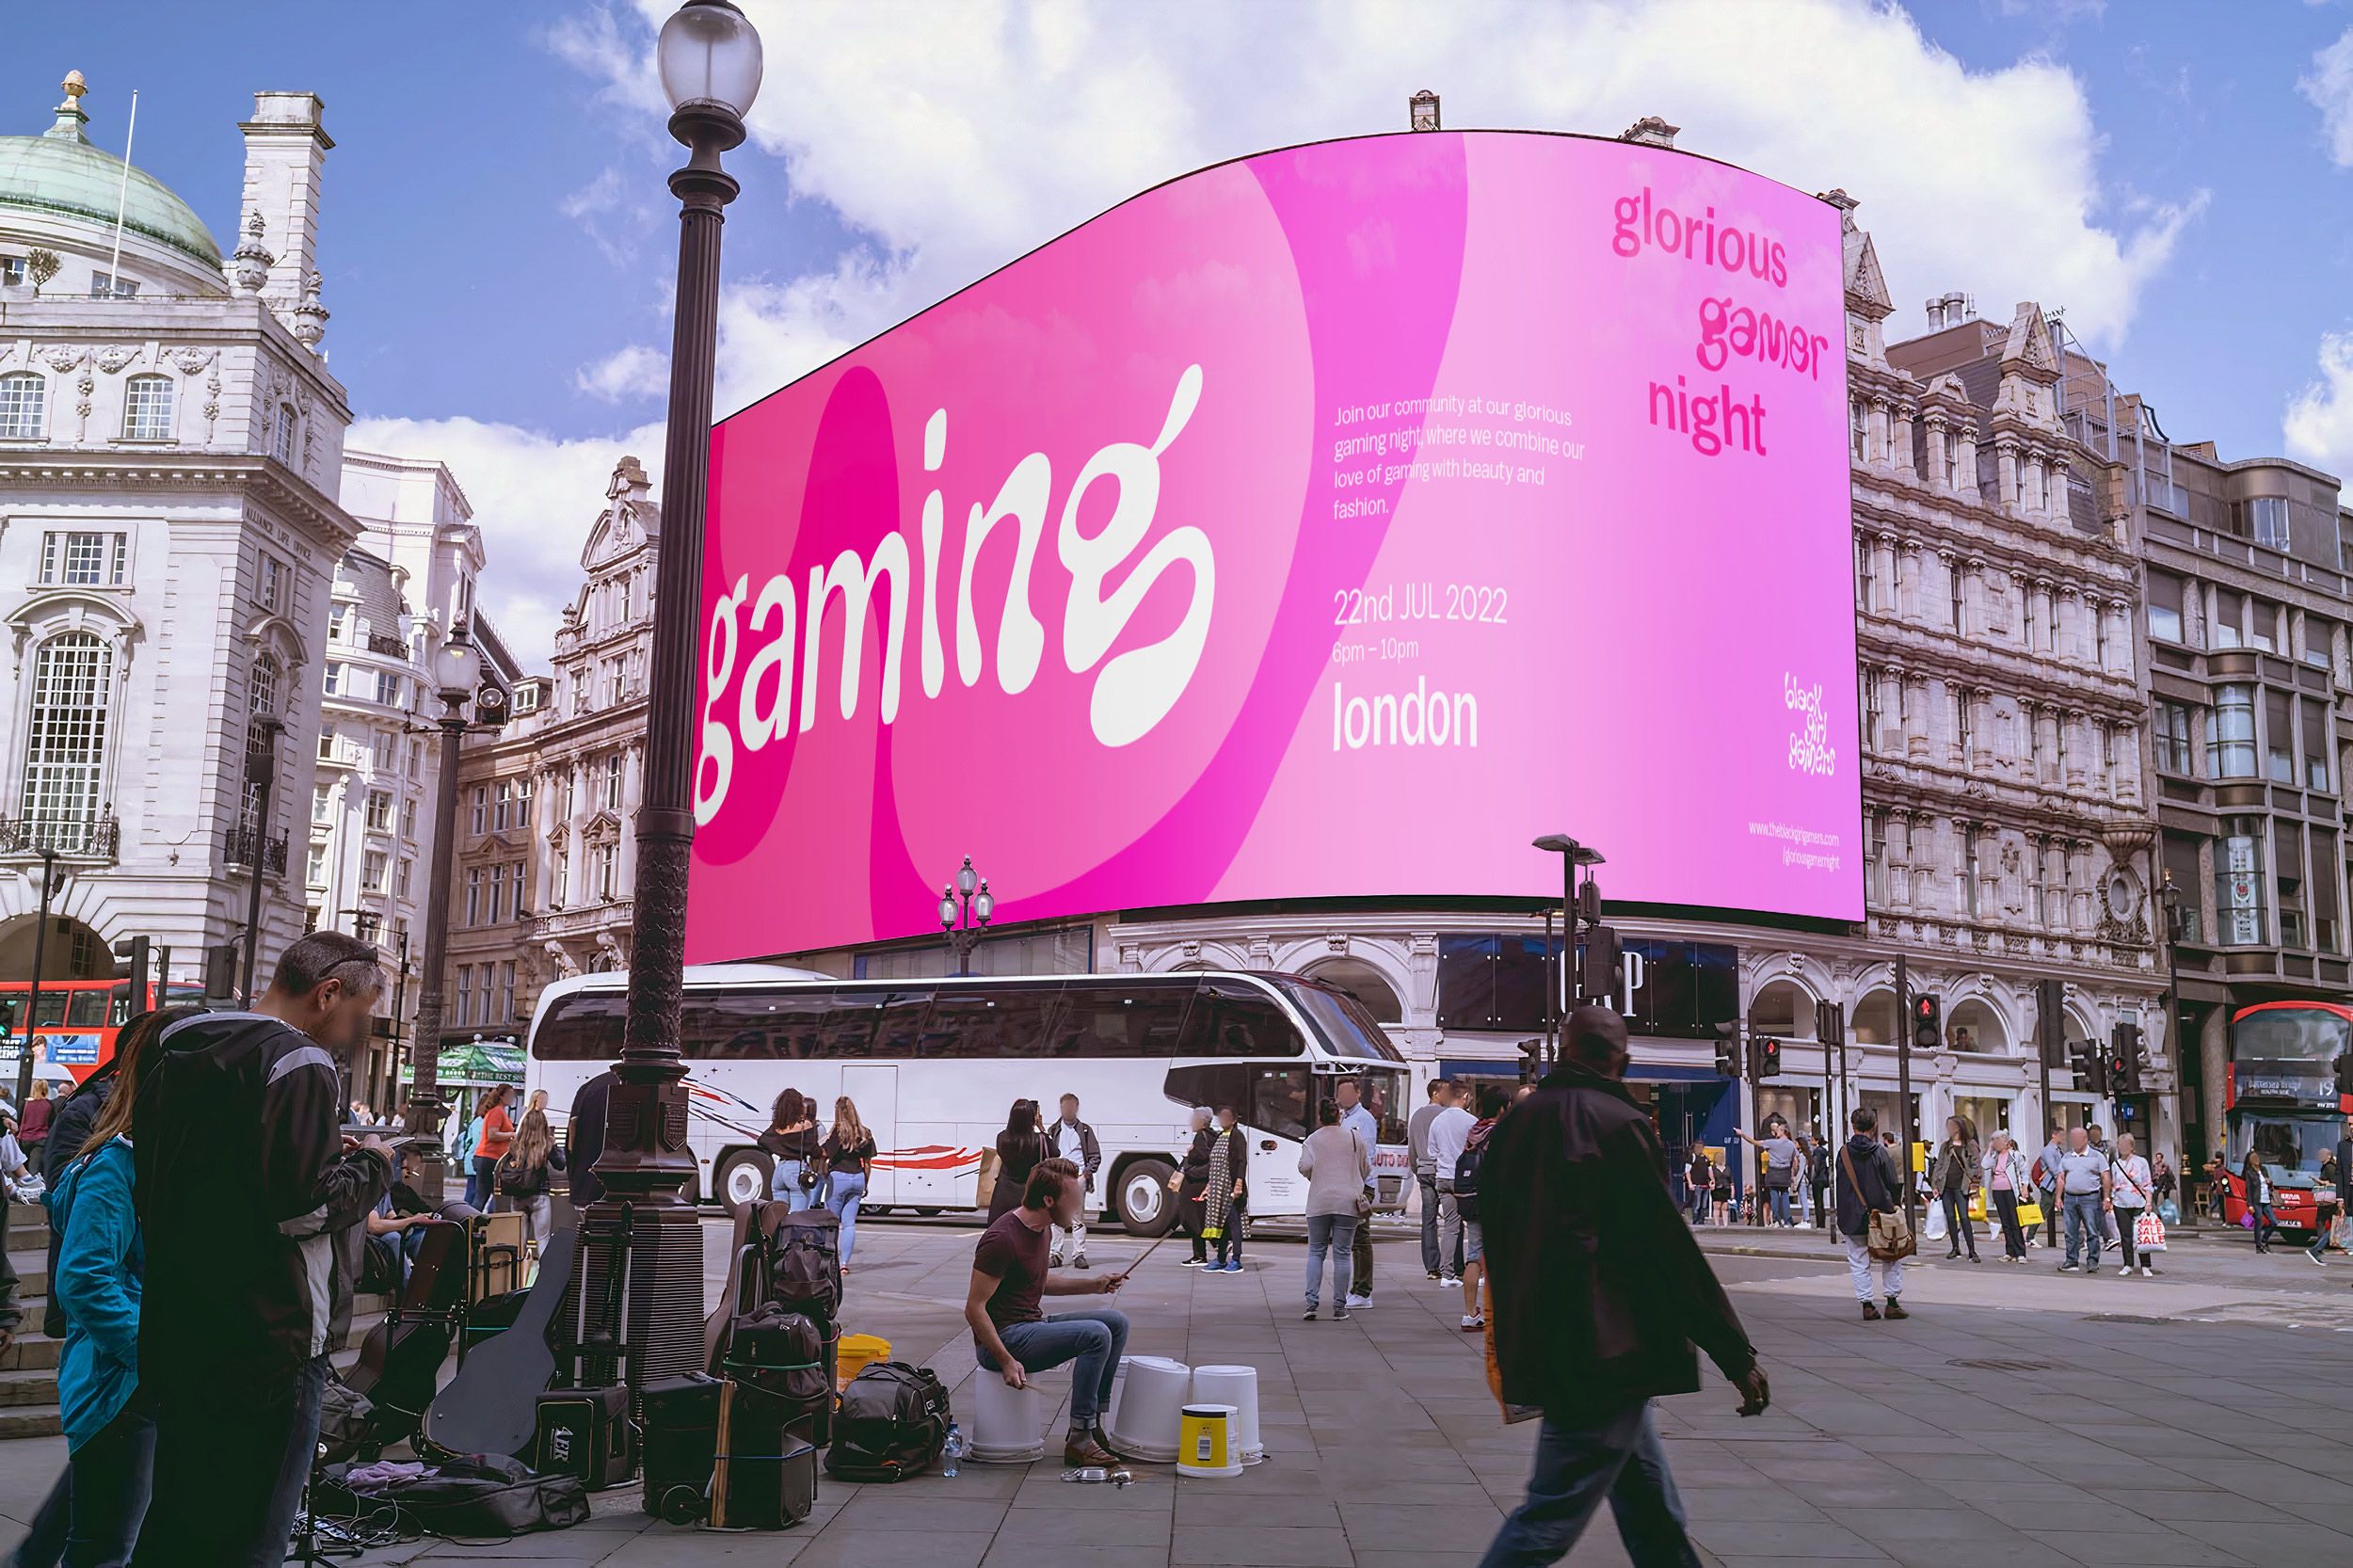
<point x="1466" y="1172"/>
<point x="892" y="1423"/>
<point x="804" y="1265"/>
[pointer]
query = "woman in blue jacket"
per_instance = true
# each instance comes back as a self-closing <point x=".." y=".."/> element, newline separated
<point x="110" y="1435"/>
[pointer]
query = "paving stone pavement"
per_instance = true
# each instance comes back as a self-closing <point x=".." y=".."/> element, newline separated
<point x="2018" y="1418"/>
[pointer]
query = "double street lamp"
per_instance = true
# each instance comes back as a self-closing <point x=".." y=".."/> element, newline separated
<point x="965" y="924"/>
<point x="709" y="61"/>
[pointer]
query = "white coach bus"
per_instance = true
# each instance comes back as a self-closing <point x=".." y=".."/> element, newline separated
<point x="934" y="1065"/>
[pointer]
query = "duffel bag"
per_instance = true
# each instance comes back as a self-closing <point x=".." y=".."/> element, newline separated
<point x="781" y="1353"/>
<point x="892" y="1424"/>
<point x="476" y="1497"/>
<point x="804" y="1265"/>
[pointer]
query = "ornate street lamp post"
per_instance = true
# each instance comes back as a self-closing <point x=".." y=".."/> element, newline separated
<point x="979" y="903"/>
<point x="709" y="58"/>
<point x="457" y="668"/>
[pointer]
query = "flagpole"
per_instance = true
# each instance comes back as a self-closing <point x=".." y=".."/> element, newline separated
<point x="122" y="198"/>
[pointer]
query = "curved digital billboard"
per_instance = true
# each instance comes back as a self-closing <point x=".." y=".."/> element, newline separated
<point x="1327" y="522"/>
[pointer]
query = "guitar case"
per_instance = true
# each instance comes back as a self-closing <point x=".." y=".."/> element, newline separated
<point x="400" y="1360"/>
<point x="492" y="1405"/>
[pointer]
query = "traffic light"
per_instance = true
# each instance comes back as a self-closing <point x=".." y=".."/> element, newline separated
<point x="1764" y="1059"/>
<point x="1727" y="1050"/>
<point x="1927" y="1021"/>
<point x="2091" y="1063"/>
<point x="1601" y="966"/>
<point x="1830" y="1024"/>
<point x="132" y="966"/>
<point x="2124" y="1058"/>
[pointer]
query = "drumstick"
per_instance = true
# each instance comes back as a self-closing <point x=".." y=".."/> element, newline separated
<point x="1140" y="1262"/>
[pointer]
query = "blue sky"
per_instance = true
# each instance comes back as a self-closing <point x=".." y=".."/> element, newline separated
<point x="497" y="241"/>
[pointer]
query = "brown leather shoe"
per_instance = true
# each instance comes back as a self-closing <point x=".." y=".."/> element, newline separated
<point x="1895" y="1308"/>
<point x="1080" y="1448"/>
<point x="1871" y="1313"/>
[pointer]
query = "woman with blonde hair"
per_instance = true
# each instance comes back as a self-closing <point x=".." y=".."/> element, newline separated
<point x="849" y="1151"/>
<point x="525" y="1175"/>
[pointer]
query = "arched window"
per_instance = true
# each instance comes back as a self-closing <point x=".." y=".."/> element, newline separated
<point x="146" y="408"/>
<point x="65" y="753"/>
<point x="21" y="396"/>
<point x="264" y="686"/>
<point x="282" y="437"/>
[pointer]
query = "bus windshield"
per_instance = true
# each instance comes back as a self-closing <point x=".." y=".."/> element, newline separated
<point x="2290" y="1034"/>
<point x="2292" y="1147"/>
<point x="1340" y="1022"/>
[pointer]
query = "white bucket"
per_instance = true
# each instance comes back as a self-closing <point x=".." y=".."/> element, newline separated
<point x="1206" y="1446"/>
<point x="1008" y="1424"/>
<point x="1236" y="1386"/>
<point x="1151" y="1408"/>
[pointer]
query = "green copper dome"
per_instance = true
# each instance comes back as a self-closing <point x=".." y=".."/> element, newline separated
<point x="60" y="173"/>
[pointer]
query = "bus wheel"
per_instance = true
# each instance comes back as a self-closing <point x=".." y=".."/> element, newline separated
<point x="1143" y="1200"/>
<point x="743" y="1177"/>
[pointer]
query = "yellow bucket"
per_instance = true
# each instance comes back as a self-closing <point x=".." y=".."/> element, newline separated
<point x="855" y="1352"/>
<point x="1205" y="1441"/>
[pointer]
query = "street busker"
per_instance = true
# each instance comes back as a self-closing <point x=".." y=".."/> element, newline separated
<point x="1597" y="1290"/>
<point x="1012" y="1336"/>
<point x="1868" y="1183"/>
<point x="251" y="1206"/>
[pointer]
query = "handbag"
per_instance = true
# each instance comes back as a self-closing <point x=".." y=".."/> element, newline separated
<point x="2147" y="1233"/>
<point x="2029" y="1215"/>
<point x="1889" y="1238"/>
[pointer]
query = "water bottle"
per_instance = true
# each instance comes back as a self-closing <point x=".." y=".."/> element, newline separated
<point x="953" y="1453"/>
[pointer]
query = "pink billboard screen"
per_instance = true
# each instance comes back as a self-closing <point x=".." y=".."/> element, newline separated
<point x="1329" y="522"/>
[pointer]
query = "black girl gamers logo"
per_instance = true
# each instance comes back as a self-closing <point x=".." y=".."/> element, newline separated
<point x="1810" y="750"/>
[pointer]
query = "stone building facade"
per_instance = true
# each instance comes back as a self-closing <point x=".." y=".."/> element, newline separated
<point x="547" y="847"/>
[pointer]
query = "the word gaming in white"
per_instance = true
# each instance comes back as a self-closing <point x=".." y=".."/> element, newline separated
<point x="1133" y="690"/>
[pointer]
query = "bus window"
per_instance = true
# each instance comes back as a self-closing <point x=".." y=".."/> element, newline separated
<point x="746" y="1026"/>
<point x="850" y="1024"/>
<point x="87" y="1009"/>
<point x="1231" y="1018"/>
<point x="52" y="1009"/>
<point x="587" y="1026"/>
<point x="1347" y="1027"/>
<point x="900" y="1028"/>
<point x="1121" y="1018"/>
<point x="1279" y="1102"/>
<point x="989" y="1021"/>
<point x="1209" y="1087"/>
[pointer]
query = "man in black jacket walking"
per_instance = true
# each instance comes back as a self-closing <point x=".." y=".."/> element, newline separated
<point x="1598" y="1292"/>
<point x="251" y="1210"/>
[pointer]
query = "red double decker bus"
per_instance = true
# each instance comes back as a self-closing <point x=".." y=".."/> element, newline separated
<point x="2280" y="1099"/>
<point x="78" y="1022"/>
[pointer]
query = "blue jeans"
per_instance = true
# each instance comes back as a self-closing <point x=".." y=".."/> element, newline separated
<point x="1095" y="1340"/>
<point x="44" y="1546"/>
<point x="1780" y="1196"/>
<point x="785" y="1186"/>
<point x="2083" y="1220"/>
<point x="1429" y="1261"/>
<point x="232" y="1450"/>
<point x="481" y="1182"/>
<point x="1229" y="1244"/>
<point x="1576" y="1466"/>
<point x="843" y="1198"/>
<point x="1332" y="1235"/>
<point x="113" y="1473"/>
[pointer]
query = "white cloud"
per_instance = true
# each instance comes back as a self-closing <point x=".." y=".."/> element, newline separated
<point x="2319" y="424"/>
<point x="635" y="370"/>
<point x="533" y="497"/>
<point x="2330" y="86"/>
<point x="1014" y="121"/>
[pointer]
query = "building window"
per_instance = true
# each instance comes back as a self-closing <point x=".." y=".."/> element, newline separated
<point x="12" y="273"/>
<point x="473" y="896"/>
<point x="2231" y="739"/>
<point x="514" y="888"/>
<point x="332" y="683"/>
<point x="2238" y="883"/>
<point x="2229" y="627"/>
<point x="2172" y="731"/>
<point x="314" y="873"/>
<point x="1964" y="723"/>
<point x="2320" y="639"/>
<point x="2327" y="931"/>
<point x="146" y="408"/>
<point x="1872" y="712"/>
<point x="503" y="809"/>
<point x="416" y="758"/>
<point x="482" y="997"/>
<point x="327" y="741"/>
<point x="612" y="782"/>
<point x="2262" y="626"/>
<point x="2165" y="607"/>
<point x="580" y="691"/>
<point x="66" y="749"/>
<point x="388" y="688"/>
<point x="2270" y="515"/>
<point x="2278" y="735"/>
<point x="2181" y="869"/>
<point x="2033" y="615"/>
<point x="337" y="615"/>
<point x="2315" y="743"/>
<point x="408" y="820"/>
<point x="367" y="925"/>
<point x="1959" y="577"/>
<point x="387" y="753"/>
<point x="373" y="867"/>
<point x="322" y="801"/>
<point x="496" y="910"/>
<point x="522" y="803"/>
<point x="281" y="442"/>
<point x="273" y="583"/>
<point x="380" y="815"/>
<point x="1858" y="430"/>
<point x="1865" y="585"/>
<point x="21" y="396"/>
<point x="462" y="998"/>
<point x="506" y="989"/>
<point x="2290" y="884"/>
<point x="479" y="812"/>
<point x="1966" y="872"/>
<point x="2099" y="634"/>
<point x="604" y="871"/>
<point x="2107" y="756"/>
<point x="563" y="875"/>
<point x="261" y="698"/>
<point x="83" y="560"/>
<point x="106" y="285"/>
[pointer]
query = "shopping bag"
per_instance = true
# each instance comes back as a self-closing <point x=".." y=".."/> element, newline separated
<point x="2169" y="1211"/>
<point x="2029" y="1215"/>
<point x="1932" y="1228"/>
<point x="2147" y="1233"/>
<point x="2246" y="1220"/>
<point x="1976" y="1208"/>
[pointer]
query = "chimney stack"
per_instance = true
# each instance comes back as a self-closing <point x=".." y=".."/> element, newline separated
<point x="286" y="147"/>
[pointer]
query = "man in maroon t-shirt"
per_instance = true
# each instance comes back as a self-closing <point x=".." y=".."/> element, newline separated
<point x="1014" y="1337"/>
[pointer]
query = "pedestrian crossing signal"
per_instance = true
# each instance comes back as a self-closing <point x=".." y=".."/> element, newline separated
<point x="1927" y="1022"/>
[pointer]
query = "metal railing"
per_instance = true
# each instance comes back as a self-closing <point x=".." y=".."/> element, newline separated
<point x="247" y="843"/>
<point x="98" y="838"/>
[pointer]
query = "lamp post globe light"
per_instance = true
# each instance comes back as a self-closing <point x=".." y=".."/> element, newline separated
<point x="709" y="60"/>
<point x="457" y="670"/>
<point x="969" y="889"/>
